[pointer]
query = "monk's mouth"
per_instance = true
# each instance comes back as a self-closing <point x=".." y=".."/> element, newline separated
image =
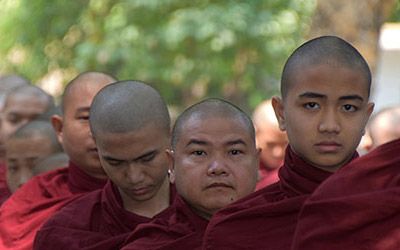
<point x="219" y="185"/>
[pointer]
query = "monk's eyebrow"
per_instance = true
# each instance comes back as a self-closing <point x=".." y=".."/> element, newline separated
<point x="108" y="158"/>
<point x="312" y="95"/>
<point x="82" y="110"/>
<point x="352" y="97"/>
<point x="147" y="154"/>
<point x="196" y="142"/>
<point x="236" y="142"/>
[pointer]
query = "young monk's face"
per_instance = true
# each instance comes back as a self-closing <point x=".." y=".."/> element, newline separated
<point x="273" y="143"/>
<point x="19" y="110"/>
<point x="137" y="163"/>
<point x="73" y="129"/>
<point x="215" y="163"/>
<point x="22" y="155"/>
<point x="325" y="113"/>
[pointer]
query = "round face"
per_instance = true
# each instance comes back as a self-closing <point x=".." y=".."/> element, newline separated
<point x="22" y="156"/>
<point x="137" y="163"/>
<point x="19" y="110"/>
<point x="74" y="132"/>
<point x="272" y="142"/>
<point x="215" y="163"/>
<point x="325" y="113"/>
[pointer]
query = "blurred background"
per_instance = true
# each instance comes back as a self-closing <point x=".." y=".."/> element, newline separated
<point x="190" y="50"/>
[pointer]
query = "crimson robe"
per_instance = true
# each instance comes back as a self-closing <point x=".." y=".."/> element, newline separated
<point x="182" y="230"/>
<point x="268" y="176"/>
<point x="267" y="218"/>
<point x="357" y="208"/>
<point x="4" y="191"/>
<point x="96" y="220"/>
<point x="31" y="205"/>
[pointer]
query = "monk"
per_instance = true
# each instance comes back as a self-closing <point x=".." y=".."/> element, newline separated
<point x="324" y="109"/>
<point x="23" y="104"/>
<point x="30" y="206"/>
<point x="131" y="126"/>
<point x="28" y="145"/>
<point x="7" y="83"/>
<point x="215" y="164"/>
<point x="384" y="126"/>
<point x="272" y="142"/>
<point x="357" y="208"/>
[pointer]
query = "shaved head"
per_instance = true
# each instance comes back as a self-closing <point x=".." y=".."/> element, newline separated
<point x="31" y="92"/>
<point x="89" y="78"/>
<point x="9" y="82"/>
<point x="38" y="128"/>
<point x="212" y="107"/>
<point x="329" y="50"/>
<point x="264" y="114"/>
<point x="384" y="126"/>
<point x="127" y="106"/>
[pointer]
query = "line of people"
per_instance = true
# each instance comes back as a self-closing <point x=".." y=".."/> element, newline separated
<point x="293" y="180"/>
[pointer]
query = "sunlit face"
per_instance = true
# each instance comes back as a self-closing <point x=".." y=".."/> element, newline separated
<point x="19" y="110"/>
<point x="137" y="162"/>
<point x="22" y="156"/>
<point x="73" y="129"/>
<point x="273" y="143"/>
<point x="325" y="113"/>
<point x="215" y="163"/>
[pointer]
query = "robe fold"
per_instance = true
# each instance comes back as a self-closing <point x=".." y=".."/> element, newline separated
<point x="182" y="230"/>
<point x="4" y="191"/>
<point x="267" y="218"/>
<point x="357" y="208"/>
<point x="96" y="220"/>
<point x="267" y="177"/>
<point x="30" y="206"/>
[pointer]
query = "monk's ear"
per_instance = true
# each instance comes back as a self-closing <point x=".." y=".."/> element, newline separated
<point x="57" y="122"/>
<point x="171" y="173"/>
<point x="277" y="104"/>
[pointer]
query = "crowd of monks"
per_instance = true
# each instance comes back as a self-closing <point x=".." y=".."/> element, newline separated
<point x="108" y="169"/>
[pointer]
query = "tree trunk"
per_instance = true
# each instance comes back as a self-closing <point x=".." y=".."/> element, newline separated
<point x="357" y="21"/>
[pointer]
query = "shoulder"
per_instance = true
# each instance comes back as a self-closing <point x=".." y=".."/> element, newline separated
<point x="78" y="212"/>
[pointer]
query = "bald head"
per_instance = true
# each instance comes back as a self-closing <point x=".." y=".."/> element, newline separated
<point x="329" y="50"/>
<point x="212" y="107"/>
<point x="384" y="126"/>
<point x="38" y="128"/>
<point x="31" y="92"/>
<point x="264" y="114"/>
<point x="86" y="78"/>
<point x="126" y="106"/>
<point x="9" y="82"/>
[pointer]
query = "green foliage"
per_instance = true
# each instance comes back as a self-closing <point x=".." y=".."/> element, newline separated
<point x="187" y="49"/>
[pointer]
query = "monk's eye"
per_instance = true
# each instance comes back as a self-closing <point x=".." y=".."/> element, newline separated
<point x="198" y="153"/>
<point x="114" y="162"/>
<point x="13" y="118"/>
<point x="12" y="168"/>
<point x="83" y="117"/>
<point x="235" y="152"/>
<point x="311" y="105"/>
<point x="148" y="157"/>
<point x="349" y="108"/>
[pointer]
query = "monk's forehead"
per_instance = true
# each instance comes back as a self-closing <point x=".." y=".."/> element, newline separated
<point x="85" y="85"/>
<point x="300" y="69"/>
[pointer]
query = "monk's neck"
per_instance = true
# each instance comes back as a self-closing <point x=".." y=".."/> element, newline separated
<point x="151" y="207"/>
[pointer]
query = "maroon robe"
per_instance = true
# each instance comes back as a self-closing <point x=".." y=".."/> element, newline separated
<point x="4" y="191"/>
<point x="357" y="208"/>
<point x="96" y="220"/>
<point x="267" y="218"/>
<point x="31" y="205"/>
<point x="267" y="175"/>
<point x="182" y="230"/>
